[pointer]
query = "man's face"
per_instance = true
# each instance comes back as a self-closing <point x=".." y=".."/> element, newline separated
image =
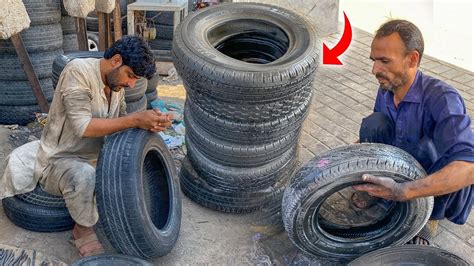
<point x="120" y="77"/>
<point x="391" y="62"/>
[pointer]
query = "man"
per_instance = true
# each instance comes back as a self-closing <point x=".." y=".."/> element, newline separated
<point x="425" y="117"/>
<point x="89" y="104"/>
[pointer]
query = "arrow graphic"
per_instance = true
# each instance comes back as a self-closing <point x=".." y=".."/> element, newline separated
<point x="330" y="55"/>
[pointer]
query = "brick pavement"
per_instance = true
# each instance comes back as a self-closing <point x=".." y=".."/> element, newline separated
<point x="344" y="95"/>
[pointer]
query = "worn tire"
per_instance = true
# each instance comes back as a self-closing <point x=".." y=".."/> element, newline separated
<point x="236" y="202"/>
<point x="70" y="43"/>
<point x="153" y="83"/>
<point x="410" y="255"/>
<point x="150" y="97"/>
<point x="43" y="11"/>
<point x="138" y="194"/>
<point x="138" y="106"/>
<point x="36" y="217"/>
<point x="20" y="92"/>
<point x="61" y="61"/>
<point x="37" y="38"/>
<point x="162" y="17"/>
<point x="68" y="25"/>
<point x="18" y="114"/>
<point x="115" y="259"/>
<point x="41" y="198"/>
<point x="11" y="69"/>
<point x="341" y="168"/>
<point x="211" y="49"/>
<point x="136" y="93"/>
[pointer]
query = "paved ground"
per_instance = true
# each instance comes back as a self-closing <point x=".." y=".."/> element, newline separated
<point x="344" y="95"/>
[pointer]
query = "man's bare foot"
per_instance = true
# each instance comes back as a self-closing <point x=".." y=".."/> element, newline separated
<point x="86" y="241"/>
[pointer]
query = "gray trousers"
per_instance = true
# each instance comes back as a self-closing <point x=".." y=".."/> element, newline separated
<point x="74" y="179"/>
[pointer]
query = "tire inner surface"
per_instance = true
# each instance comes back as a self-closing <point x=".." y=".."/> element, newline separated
<point x="251" y="41"/>
<point x="156" y="189"/>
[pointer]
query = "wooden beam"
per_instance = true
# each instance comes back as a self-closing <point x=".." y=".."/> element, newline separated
<point x="102" y="31"/>
<point x="30" y="72"/>
<point x="81" y="30"/>
<point x="117" y="21"/>
<point x="108" y="30"/>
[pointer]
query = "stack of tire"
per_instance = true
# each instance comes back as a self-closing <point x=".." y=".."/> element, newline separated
<point x="248" y="71"/>
<point x="151" y="92"/>
<point x="68" y="26"/>
<point x="43" y="41"/>
<point x="134" y="97"/>
<point x="163" y="23"/>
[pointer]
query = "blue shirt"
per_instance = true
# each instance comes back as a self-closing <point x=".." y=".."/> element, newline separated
<point x="431" y="123"/>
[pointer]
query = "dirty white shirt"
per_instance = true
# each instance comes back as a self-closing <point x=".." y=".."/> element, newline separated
<point x="78" y="98"/>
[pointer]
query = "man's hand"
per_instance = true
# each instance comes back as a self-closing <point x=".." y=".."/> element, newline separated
<point x="382" y="187"/>
<point x="153" y="120"/>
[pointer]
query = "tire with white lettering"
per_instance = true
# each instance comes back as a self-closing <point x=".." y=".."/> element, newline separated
<point x="138" y="194"/>
<point x="341" y="168"/>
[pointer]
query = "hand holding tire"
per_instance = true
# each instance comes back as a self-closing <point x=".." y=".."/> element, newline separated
<point x="382" y="187"/>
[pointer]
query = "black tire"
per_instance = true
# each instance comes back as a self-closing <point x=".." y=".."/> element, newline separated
<point x="138" y="194"/>
<point x="240" y="178"/>
<point x="41" y="198"/>
<point x="39" y="38"/>
<point x="93" y="41"/>
<point x="164" y="31"/>
<point x="247" y="131"/>
<point x="61" y="61"/>
<point x="117" y="260"/>
<point x="341" y="168"/>
<point x="233" y="154"/>
<point x="160" y="44"/>
<point x="11" y="69"/>
<point x="20" y="92"/>
<point x="68" y="25"/>
<point x="43" y="11"/>
<point x="153" y="83"/>
<point x="162" y="18"/>
<point x="18" y="114"/>
<point x="198" y="190"/>
<point x="138" y="106"/>
<point x="410" y="255"/>
<point x="162" y="55"/>
<point x="136" y="93"/>
<point x="150" y="97"/>
<point x="274" y="51"/>
<point x="70" y="43"/>
<point x="35" y="217"/>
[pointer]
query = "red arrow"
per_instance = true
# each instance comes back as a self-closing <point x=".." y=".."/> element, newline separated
<point x="330" y="55"/>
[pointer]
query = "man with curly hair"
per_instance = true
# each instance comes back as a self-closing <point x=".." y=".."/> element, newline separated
<point x="88" y="104"/>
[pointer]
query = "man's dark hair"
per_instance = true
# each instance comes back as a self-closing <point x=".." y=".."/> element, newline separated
<point x="409" y="33"/>
<point x="135" y="53"/>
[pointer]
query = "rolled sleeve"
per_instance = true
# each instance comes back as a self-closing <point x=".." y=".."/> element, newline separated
<point x="77" y="99"/>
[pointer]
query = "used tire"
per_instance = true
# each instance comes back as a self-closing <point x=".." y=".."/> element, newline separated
<point x="36" y="217"/>
<point x="342" y="168"/>
<point x="136" y="93"/>
<point x="43" y="11"/>
<point x="11" y="69"/>
<point x="410" y="255"/>
<point x="41" y="198"/>
<point x="70" y="43"/>
<point x="117" y="260"/>
<point x="18" y="114"/>
<point x="20" y="92"/>
<point x="160" y="44"/>
<point x="37" y="38"/>
<point x="138" y="106"/>
<point x="138" y="195"/>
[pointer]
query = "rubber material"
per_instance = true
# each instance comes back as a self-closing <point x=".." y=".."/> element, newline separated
<point x="20" y="92"/>
<point x="115" y="259"/>
<point x="41" y="198"/>
<point x="37" y="38"/>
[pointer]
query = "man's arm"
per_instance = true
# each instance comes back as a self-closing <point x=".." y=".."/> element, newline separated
<point x="150" y="120"/>
<point x="453" y="177"/>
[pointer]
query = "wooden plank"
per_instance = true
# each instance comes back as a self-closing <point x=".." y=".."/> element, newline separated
<point x="81" y="30"/>
<point x="108" y="31"/>
<point x="117" y="21"/>
<point x="30" y="72"/>
<point x="102" y="31"/>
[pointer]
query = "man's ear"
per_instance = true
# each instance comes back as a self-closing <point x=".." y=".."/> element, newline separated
<point x="414" y="58"/>
<point x="116" y="60"/>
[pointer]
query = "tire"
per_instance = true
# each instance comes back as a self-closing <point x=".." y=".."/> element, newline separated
<point x="136" y="187"/>
<point x="237" y="155"/>
<point x="70" y="43"/>
<point x="162" y="18"/>
<point x="20" y="92"/>
<point x="136" y="93"/>
<point x="150" y="97"/>
<point x="138" y="106"/>
<point x="410" y="255"/>
<point x="240" y="178"/>
<point x="68" y="25"/>
<point x="43" y="11"/>
<point x="93" y="41"/>
<point x="37" y="38"/>
<point x="35" y="217"/>
<point x="202" y="51"/>
<point x="111" y="260"/>
<point x="195" y="188"/>
<point x="164" y="31"/>
<point x="341" y="168"/>
<point x="11" y="69"/>
<point x="160" y="44"/>
<point x="61" y="61"/>
<point x="247" y="131"/>
<point x="21" y="114"/>
<point x="153" y="83"/>
<point x="41" y="198"/>
<point x="162" y="55"/>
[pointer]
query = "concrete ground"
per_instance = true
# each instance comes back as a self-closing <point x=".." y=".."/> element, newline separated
<point x="343" y="96"/>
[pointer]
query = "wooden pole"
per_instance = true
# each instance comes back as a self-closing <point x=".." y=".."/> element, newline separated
<point x="117" y="21"/>
<point x="102" y="33"/>
<point x="81" y="34"/>
<point x="30" y="72"/>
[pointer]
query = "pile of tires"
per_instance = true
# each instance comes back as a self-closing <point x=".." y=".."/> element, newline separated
<point x="134" y="97"/>
<point x="248" y="70"/>
<point x="68" y="26"/>
<point x="43" y="41"/>
<point x="325" y="176"/>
